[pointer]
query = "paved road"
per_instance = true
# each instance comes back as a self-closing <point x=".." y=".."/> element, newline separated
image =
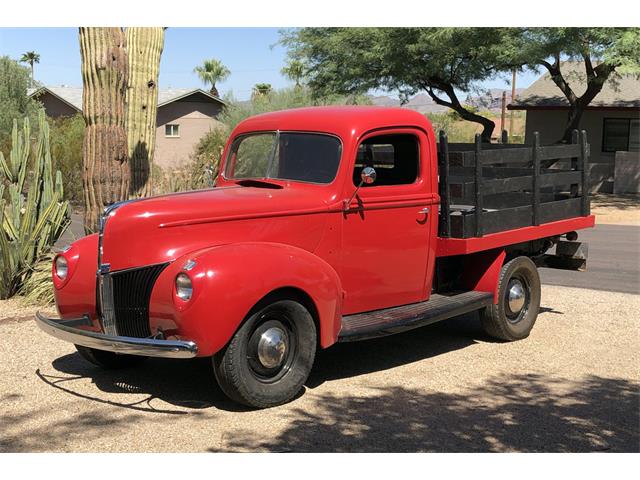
<point x="613" y="264"/>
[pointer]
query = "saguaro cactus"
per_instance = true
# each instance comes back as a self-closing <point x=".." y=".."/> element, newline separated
<point x="30" y="223"/>
<point x="144" y="48"/>
<point x="104" y="77"/>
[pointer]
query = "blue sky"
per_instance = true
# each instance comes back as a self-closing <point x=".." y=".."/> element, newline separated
<point x="250" y="54"/>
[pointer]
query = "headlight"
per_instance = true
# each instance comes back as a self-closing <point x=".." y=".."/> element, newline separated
<point x="184" y="288"/>
<point x="62" y="267"/>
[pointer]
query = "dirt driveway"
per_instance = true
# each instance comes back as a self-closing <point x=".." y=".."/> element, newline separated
<point x="571" y="386"/>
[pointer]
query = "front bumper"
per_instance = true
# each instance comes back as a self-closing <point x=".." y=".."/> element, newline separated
<point x="149" y="347"/>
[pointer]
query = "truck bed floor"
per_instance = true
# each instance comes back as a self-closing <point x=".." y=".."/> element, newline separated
<point x="388" y="321"/>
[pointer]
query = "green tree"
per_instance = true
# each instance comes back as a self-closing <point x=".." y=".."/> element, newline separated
<point x="211" y="72"/>
<point x="31" y="58"/>
<point x="14" y="102"/>
<point x="440" y="61"/>
<point x="605" y="52"/>
<point x="294" y="70"/>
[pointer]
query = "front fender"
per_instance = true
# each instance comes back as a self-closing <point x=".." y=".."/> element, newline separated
<point x="228" y="280"/>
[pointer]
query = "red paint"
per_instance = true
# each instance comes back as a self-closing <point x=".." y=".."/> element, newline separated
<point x="248" y="242"/>
<point x="463" y="246"/>
<point x="481" y="271"/>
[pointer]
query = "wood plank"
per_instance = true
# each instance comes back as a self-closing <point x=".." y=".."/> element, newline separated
<point x="490" y="172"/>
<point x="445" y="188"/>
<point x="535" y="201"/>
<point x="507" y="155"/>
<point x="560" y="209"/>
<point x="511" y="184"/>
<point x="560" y="178"/>
<point x="559" y="151"/>
<point x="479" y="186"/>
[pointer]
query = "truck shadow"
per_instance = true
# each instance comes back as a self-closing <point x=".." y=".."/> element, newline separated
<point x="190" y="384"/>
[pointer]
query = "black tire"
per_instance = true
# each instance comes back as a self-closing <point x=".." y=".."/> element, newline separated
<point x="241" y="370"/>
<point x="109" y="360"/>
<point x="500" y="321"/>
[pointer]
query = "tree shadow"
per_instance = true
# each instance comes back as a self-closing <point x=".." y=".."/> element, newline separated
<point x="628" y="201"/>
<point x="527" y="413"/>
<point x="55" y="435"/>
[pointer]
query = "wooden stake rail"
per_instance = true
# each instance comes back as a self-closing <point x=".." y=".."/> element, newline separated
<point x="491" y="188"/>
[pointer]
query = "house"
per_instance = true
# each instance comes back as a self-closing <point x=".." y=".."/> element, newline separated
<point x="184" y="117"/>
<point x="612" y="122"/>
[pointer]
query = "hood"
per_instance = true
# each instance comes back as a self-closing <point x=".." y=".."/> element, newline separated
<point x="161" y="229"/>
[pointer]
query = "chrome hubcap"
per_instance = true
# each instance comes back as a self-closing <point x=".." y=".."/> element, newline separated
<point x="516" y="295"/>
<point x="272" y="347"/>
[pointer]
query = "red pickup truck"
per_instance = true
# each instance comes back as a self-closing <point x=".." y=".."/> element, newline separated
<point x="328" y="224"/>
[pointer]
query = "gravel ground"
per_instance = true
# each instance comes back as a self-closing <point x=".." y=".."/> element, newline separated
<point x="616" y="209"/>
<point x="573" y="385"/>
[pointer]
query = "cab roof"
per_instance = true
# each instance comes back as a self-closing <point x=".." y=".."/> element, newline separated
<point x="343" y="121"/>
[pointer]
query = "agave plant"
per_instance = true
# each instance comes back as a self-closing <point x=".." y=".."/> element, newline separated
<point x="33" y="213"/>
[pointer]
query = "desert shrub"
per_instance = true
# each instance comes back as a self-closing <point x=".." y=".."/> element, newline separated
<point x="37" y="285"/>
<point x="457" y="130"/>
<point x="33" y="212"/>
<point x="66" y="151"/>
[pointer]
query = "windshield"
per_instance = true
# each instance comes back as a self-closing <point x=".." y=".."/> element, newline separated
<point x="306" y="157"/>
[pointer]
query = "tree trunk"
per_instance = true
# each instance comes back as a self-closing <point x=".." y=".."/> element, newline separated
<point x="144" y="47"/>
<point x="596" y="78"/>
<point x="214" y="91"/>
<point x="104" y="151"/>
<point x="487" y="124"/>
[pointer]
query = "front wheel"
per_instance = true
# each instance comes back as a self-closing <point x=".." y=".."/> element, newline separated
<point x="269" y="358"/>
<point x="513" y="317"/>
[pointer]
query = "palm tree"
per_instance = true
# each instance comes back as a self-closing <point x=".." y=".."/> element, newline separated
<point x="261" y="90"/>
<point x="212" y="71"/>
<point x="31" y="58"/>
<point x="294" y="70"/>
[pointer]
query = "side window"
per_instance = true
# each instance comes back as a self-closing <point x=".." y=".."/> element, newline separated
<point x="395" y="157"/>
<point x="621" y="134"/>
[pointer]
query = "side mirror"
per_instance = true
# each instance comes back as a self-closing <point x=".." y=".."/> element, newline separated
<point x="368" y="176"/>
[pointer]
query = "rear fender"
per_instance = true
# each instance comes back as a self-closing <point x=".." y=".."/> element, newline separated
<point x="481" y="271"/>
<point x="229" y="280"/>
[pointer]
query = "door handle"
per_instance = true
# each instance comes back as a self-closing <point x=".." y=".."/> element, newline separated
<point x="425" y="210"/>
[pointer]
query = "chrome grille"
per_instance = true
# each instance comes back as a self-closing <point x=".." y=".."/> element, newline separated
<point x="124" y="300"/>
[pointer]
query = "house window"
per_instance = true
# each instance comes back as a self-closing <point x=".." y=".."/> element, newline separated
<point x="621" y="134"/>
<point x="395" y="158"/>
<point x="172" y="130"/>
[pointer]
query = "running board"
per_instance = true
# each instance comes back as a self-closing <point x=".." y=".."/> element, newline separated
<point x="379" y="323"/>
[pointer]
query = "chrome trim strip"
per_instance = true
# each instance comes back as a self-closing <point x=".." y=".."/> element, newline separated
<point x="107" y="312"/>
<point x="148" y="347"/>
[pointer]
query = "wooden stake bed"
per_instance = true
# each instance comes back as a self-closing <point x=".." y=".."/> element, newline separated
<point x="486" y="189"/>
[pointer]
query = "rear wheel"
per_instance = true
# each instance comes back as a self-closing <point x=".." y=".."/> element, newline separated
<point x="518" y="301"/>
<point x="269" y="358"/>
<point x="108" y="360"/>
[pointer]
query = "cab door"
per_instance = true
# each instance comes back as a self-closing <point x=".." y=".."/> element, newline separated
<point x="387" y="226"/>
